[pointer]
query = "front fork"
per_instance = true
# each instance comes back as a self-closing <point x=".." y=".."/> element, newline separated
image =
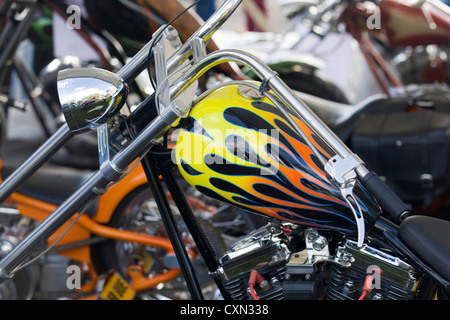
<point x="154" y="166"/>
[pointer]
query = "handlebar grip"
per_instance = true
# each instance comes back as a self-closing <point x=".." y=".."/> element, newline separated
<point x="387" y="198"/>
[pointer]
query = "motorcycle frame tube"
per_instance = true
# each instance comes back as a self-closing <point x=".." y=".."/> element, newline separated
<point x="85" y="226"/>
<point x="19" y="28"/>
<point x="38" y="210"/>
<point x="201" y="240"/>
<point x="25" y="74"/>
<point x="150" y="166"/>
<point x="377" y="64"/>
<point x="4" y="7"/>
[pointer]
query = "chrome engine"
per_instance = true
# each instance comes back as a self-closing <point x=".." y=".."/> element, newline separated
<point x="13" y="227"/>
<point x="44" y="278"/>
<point x="297" y="263"/>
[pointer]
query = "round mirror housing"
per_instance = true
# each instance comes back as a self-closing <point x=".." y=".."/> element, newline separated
<point x="90" y="97"/>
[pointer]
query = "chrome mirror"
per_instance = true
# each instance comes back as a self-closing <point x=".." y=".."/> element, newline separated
<point x="90" y="97"/>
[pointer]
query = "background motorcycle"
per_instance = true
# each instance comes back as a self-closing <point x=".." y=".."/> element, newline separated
<point x="402" y="43"/>
<point x="121" y="232"/>
<point x="301" y="250"/>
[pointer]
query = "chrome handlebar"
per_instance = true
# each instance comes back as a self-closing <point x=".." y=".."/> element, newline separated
<point x="130" y="70"/>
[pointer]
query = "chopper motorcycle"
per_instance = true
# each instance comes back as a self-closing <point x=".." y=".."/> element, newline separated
<point x="257" y="146"/>
<point x="414" y="35"/>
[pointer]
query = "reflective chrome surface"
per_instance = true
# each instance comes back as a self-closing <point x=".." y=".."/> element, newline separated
<point x="393" y="268"/>
<point x="89" y="97"/>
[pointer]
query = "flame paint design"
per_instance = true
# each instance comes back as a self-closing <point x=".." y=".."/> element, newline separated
<point x="226" y="151"/>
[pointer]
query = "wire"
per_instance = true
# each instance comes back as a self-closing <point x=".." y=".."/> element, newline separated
<point x="252" y="292"/>
<point x="367" y="287"/>
<point x="158" y="36"/>
<point x="255" y="277"/>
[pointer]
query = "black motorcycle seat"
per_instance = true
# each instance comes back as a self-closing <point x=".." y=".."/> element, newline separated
<point x="339" y="116"/>
<point x="343" y="118"/>
<point x="429" y="238"/>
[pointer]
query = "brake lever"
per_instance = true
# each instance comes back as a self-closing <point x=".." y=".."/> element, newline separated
<point x="342" y="171"/>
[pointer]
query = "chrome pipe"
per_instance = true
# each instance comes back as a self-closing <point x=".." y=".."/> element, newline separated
<point x="138" y="63"/>
<point x="205" y="32"/>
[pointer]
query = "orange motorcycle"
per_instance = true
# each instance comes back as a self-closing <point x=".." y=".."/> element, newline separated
<point x="121" y="232"/>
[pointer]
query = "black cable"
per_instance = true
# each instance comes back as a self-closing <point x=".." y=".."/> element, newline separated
<point x="158" y="36"/>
